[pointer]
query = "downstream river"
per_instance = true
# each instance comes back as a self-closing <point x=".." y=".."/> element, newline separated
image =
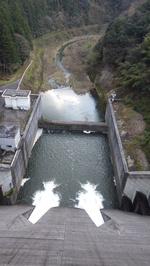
<point x="70" y="169"/>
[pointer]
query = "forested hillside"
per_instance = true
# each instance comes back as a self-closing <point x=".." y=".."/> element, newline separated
<point x="23" y="20"/>
<point x="125" y="49"/>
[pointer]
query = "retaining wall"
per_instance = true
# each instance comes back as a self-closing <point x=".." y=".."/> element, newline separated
<point x="21" y="157"/>
<point x="128" y="183"/>
<point x="118" y="158"/>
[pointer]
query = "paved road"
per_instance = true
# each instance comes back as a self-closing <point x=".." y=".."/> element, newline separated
<point x="12" y="85"/>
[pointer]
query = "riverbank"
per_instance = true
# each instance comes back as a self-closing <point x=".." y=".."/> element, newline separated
<point x="75" y="58"/>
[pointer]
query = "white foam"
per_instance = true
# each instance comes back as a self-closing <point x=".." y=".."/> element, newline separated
<point x="38" y="134"/>
<point x="91" y="201"/>
<point x="44" y="200"/>
<point x="24" y="180"/>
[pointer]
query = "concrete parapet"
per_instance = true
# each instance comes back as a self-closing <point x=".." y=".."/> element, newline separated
<point x="140" y="174"/>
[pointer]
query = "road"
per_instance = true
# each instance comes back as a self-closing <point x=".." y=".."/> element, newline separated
<point x="12" y="86"/>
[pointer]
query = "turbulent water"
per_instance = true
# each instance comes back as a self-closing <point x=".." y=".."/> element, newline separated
<point x="74" y="163"/>
<point x="70" y="169"/>
<point x="65" y="104"/>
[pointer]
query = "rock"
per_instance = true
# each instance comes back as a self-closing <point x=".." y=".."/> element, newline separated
<point x="130" y="161"/>
<point x="120" y="123"/>
<point x="124" y="135"/>
<point x="142" y="159"/>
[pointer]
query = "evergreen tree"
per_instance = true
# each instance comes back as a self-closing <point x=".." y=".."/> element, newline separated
<point x="9" y="53"/>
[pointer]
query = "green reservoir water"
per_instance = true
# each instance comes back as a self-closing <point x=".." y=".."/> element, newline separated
<point x="70" y="160"/>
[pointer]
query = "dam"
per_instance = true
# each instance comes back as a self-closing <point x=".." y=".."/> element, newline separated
<point x="71" y="156"/>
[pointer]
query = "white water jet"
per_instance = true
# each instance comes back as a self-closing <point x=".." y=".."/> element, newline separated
<point x="38" y="134"/>
<point x="43" y="201"/>
<point x="24" y="180"/>
<point x="91" y="201"/>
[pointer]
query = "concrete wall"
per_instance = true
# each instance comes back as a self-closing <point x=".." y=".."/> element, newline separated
<point x="137" y="181"/>
<point x="24" y="103"/>
<point x="31" y="128"/>
<point x="18" y="102"/>
<point x="74" y="126"/>
<point x="118" y="159"/>
<point x="5" y="179"/>
<point x="128" y="183"/>
<point x="21" y="157"/>
<point x="10" y="143"/>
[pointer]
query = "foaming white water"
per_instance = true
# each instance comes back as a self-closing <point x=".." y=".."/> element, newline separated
<point x="91" y="201"/>
<point x="24" y="180"/>
<point x="65" y="104"/>
<point x="67" y="77"/>
<point x="44" y="200"/>
<point x="38" y="134"/>
<point x="86" y="132"/>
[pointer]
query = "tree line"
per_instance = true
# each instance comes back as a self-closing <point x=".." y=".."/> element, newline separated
<point x="23" y="20"/>
<point x="126" y="48"/>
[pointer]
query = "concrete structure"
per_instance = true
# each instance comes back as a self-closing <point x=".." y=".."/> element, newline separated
<point x="17" y="99"/>
<point x="118" y="158"/>
<point x="15" y="169"/>
<point x="129" y="184"/>
<point x="6" y="183"/>
<point x="68" y="237"/>
<point x="73" y="125"/>
<point x="9" y="137"/>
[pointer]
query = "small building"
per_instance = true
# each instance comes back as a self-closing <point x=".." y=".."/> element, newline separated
<point x="17" y="99"/>
<point x="9" y="137"/>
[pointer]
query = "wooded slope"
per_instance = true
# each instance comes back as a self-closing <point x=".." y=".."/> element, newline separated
<point x="22" y="20"/>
